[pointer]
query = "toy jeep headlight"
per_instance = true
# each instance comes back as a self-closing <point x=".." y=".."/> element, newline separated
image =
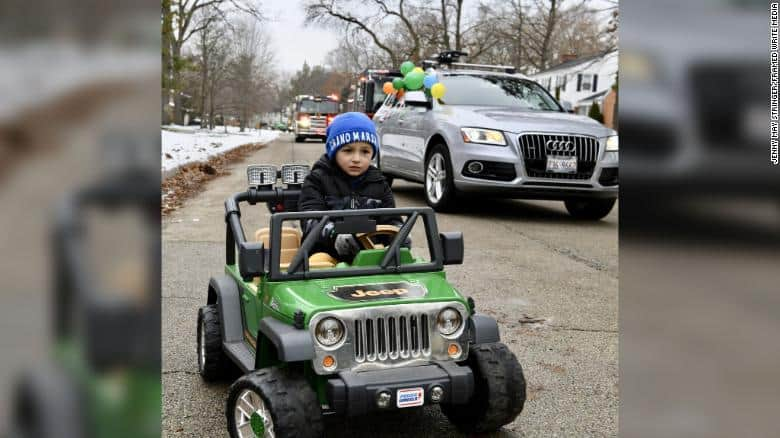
<point x="294" y="173"/>
<point x="448" y="321"/>
<point x="261" y="175"/>
<point x="329" y="332"/>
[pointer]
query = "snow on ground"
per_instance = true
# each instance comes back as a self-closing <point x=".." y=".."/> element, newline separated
<point x="186" y="144"/>
<point x="35" y="74"/>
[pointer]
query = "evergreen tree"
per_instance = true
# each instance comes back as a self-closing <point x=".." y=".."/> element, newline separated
<point x="595" y="113"/>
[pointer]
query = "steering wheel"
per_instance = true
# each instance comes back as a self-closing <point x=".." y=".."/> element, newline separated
<point x="367" y="239"/>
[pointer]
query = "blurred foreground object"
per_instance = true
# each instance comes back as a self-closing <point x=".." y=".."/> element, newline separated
<point x="102" y="378"/>
<point x="700" y="221"/>
<point x="79" y="111"/>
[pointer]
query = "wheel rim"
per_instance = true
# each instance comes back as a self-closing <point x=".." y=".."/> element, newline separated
<point x="435" y="178"/>
<point x="202" y="344"/>
<point x="253" y="419"/>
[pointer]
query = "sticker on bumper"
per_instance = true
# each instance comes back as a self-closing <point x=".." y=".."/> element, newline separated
<point x="409" y="397"/>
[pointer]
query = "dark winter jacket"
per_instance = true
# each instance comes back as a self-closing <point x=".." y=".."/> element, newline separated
<point x="328" y="187"/>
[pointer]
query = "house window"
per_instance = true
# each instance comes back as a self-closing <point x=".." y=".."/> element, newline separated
<point x="587" y="82"/>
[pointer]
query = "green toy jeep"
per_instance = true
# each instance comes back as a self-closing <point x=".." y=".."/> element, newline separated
<point x="314" y="336"/>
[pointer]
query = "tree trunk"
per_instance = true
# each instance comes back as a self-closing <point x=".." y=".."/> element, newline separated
<point x="550" y="28"/>
<point x="177" y="109"/>
<point x="518" y="61"/>
<point x="204" y="76"/>
<point x="211" y="107"/>
<point x="167" y="33"/>
<point x="458" y="36"/>
<point x="444" y="25"/>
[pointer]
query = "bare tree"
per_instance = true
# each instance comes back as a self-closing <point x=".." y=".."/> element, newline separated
<point x="250" y="71"/>
<point x="579" y="34"/>
<point x="541" y="28"/>
<point x="376" y="15"/>
<point x="180" y="22"/>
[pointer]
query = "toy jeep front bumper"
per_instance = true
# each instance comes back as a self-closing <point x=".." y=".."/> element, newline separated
<point x="355" y="393"/>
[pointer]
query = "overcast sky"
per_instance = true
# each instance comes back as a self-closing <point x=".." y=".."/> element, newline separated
<point x="293" y="42"/>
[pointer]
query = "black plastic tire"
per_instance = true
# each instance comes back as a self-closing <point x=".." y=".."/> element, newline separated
<point x="47" y="402"/>
<point x="499" y="391"/>
<point x="589" y="209"/>
<point x="448" y="198"/>
<point x="299" y="139"/>
<point x="213" y="364"/>
<point x="293" y="405"/>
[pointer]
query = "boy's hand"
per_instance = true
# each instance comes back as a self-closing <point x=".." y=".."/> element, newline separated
<point x="327" y="232"/>
<point x="346" y="246"/>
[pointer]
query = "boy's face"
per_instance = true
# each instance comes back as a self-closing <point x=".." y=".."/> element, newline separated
<point x="354" y="158"/>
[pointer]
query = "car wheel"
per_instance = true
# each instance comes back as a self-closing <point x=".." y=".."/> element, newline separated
<point x="213" y="364"/>
<point x="589" y="209"/>
<point x="439" y="187"/>
<point x="271" y="402"/>
<point x="299" y="139"/>
<point x="499" y="391"/>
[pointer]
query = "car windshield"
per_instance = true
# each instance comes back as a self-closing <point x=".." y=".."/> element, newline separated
<point x="379" y="94"/>
<point x="492" y="90"/>
<point x="323" y="106"/>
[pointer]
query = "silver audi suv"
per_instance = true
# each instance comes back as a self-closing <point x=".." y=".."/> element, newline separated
<point x="498" y="134"/>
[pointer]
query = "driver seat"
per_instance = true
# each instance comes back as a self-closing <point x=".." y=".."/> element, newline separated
<point x="291" y="242"/>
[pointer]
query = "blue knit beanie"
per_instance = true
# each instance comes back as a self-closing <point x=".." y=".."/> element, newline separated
<point x="350" y="128"/>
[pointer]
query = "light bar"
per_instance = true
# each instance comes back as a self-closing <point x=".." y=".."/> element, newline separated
<point x="294" y="173"/>
<point x="261" y="175"/>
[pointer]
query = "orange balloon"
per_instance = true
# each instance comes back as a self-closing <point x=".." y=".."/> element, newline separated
<point x="388" y="87"/>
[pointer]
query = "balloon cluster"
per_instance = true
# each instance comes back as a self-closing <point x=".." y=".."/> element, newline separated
<point x="413" y="80"/>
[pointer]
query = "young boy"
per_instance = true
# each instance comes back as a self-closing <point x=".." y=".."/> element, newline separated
<point x="344" y="179"/>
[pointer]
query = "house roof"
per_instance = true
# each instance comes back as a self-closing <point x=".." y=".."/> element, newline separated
<point x="574" y="62"/>
<point x="595" y="96"/>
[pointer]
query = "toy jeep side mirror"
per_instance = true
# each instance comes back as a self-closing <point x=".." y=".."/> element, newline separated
<point x="251" y="260"/>
<point x="104" y="318"/>
<point x="567" y="106"/>
<point x="452" y="247"/>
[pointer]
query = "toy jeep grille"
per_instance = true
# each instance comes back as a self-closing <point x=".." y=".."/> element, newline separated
<point x="392" y="337"/>
<point x="381" y="337"/>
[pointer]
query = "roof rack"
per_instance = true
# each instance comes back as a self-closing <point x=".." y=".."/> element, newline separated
<point x="450" y="60"/>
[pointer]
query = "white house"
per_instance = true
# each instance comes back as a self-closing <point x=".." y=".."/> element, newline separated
<point x="581" y="81"/>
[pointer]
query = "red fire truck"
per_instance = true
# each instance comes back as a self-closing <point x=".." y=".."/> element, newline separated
<point x="312" y="115"/>
<point x="368" y="95"/>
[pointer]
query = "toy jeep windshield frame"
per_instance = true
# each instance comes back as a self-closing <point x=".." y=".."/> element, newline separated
<point x="255" y="260"/>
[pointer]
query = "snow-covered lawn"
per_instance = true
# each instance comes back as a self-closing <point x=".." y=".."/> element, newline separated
<point x="36" y="74"/>
<point x="186" y="144"/>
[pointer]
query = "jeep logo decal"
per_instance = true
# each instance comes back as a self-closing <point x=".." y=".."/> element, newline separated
<point x="381" y="291"/>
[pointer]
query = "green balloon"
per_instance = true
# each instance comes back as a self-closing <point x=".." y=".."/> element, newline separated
<point x="414" y="80"/>
<point x="406" y="67"/>
<point x="398" y="84"/>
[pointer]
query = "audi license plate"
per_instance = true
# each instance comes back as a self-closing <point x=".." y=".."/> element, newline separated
<point x="410" y="397"/>
<point x="562" y="164"/>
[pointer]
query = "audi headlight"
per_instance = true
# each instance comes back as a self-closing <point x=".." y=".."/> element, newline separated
<point x="612" y="143"/>
<point x="329" y="332"/>
<point x="448" y="321"/>
<point x="485" y="136"/>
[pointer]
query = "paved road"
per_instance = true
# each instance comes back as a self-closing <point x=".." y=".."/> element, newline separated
<point x="525" y="261"/>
